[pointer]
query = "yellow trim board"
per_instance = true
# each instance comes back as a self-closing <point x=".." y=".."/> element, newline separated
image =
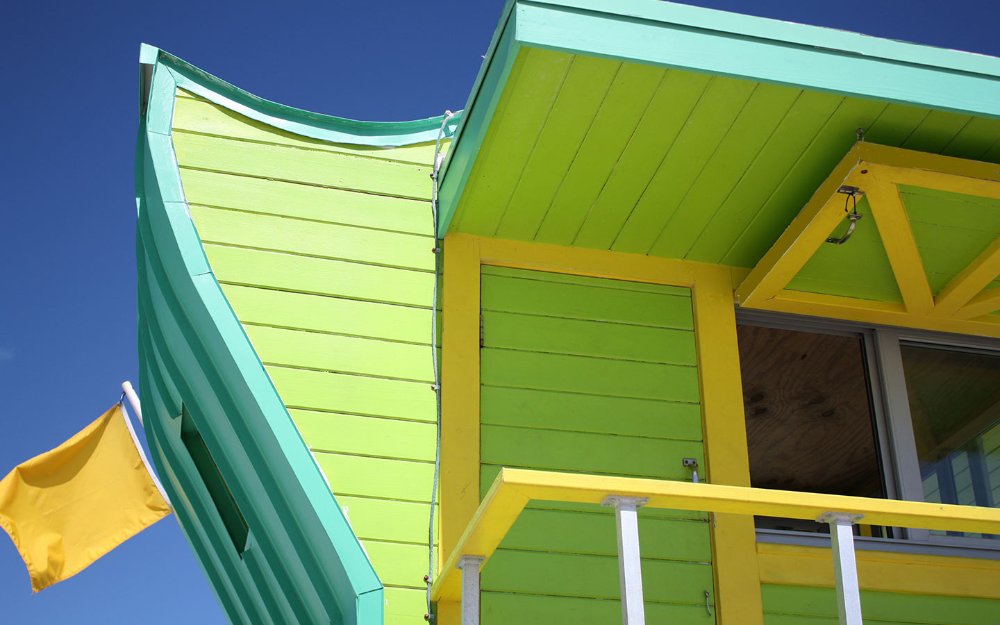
<point x="878" y="171"/>
<point x="881" y="571"/>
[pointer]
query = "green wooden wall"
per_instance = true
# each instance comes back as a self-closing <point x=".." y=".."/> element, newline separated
<point x="804" y="605"/>
<point x="593" y="376"/>
<point x="324" y="253"/>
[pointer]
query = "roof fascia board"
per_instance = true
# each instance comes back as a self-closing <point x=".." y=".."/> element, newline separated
<point x="787" y="33"/>
<point x="291" y="119"/>
<point x="699" y="49"/>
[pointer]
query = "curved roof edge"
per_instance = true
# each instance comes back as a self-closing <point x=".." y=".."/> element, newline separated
<point x="299" y="121"/>
<point x="205" y="388"/>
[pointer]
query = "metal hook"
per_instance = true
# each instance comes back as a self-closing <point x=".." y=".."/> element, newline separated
<point x="853" y="216"/>
<point x="708" y="607"/>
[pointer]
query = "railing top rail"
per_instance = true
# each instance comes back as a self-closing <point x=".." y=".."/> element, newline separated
<point x="514" y="488"/>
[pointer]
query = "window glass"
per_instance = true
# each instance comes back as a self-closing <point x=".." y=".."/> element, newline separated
<point x="810" y="422"/>
<point x="954" y="401"/>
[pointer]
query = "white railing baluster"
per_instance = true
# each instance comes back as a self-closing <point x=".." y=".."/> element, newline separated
<point x="845" y="565"/>
<point x="470" y="566"/>
<point x="629" y="561"/>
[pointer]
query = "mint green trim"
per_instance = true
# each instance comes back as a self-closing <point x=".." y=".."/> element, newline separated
<point x="704" y="40"/>
<point x="290" y="119"/>
<point x="303" y="563"/>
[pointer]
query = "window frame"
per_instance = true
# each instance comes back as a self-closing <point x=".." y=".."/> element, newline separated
<point x="893" y="424"/>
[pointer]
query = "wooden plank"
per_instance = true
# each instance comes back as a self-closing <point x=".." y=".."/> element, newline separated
<point x="312" y="238"/>
<point x="581" y="94"/>
<point x="588" y="338"/>
<point x="589" y="375"/>
<point x="582" y="280"/>
<point x="304" y="274"/>
<point x="985" y="303"/>
<point x="288" y="199"/>
<point x="398" y="564"/>
<point x="503" y="608"/>
<point x="613" y="127"/>
<point x="970" y="281"/>
<point x="589" y="303"/>
<point x="974" y="139"/>
<point x="662" y="121"/>
<point x="576" y="412"/>
<point x="355" y="394"/>
<point x="321" y="313"/>
<point x="936" y="131"/>
<point x="378" y="477"/>
<point x="386" y="519"/>
<point x="326" y="169"/>
<point x="342" y="354"/>
<point x="401" y="604"/>
<point x="490" y="185"/>
<point x="528" y="448"/>
<point x="195" y="114"/>
<point x="365" y="435"/>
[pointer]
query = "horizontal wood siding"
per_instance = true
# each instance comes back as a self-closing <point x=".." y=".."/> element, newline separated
<point x="804" y="605"/>
<point x="324" y="252"/>
<point x="593" y="376"/>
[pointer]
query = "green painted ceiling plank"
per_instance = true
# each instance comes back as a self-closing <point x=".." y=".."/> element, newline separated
<point x="775" y="158"/>
<point x="594" y="576"/>
<point x="580" y="97"/>
<point x="314" y="239"/>
<point x="378" y="477"/>
<point x="580" y="374"/>
<point x="663" y="120"/>
<point x="297" y="121"/>
<point x="974" y="140"/>
<point x="568" y="278"/>
<point x="327" y="169"/>
<point x="202" y="116"/>
<point x="953" y="210"/>
<point x="329" y="314"/>
<point x="502" y="608"/>
<point x="806" y="66"/>
<point x="586" y="453"/>
<point x="306" y="274"/>
<point x="756" y="123"/>
<point x="936" y="131"/>
<point x="319" y="204"/>
<point x="524" y="116"/>
<point x="895" y="124"/>
<point x="591" y="303"/>
<point x="801" y="180"/>
<point x="498" y="70"/>
<point x="334" y="392"/>
<point x="588" y="338"/>
<point x="703" y="132"/>
<point x="343" y="354"/>
<point x="790" y="33"/>
<point x="630" y="94"/>
<point x="555" y="531"/>
<point x="576" y="412"/>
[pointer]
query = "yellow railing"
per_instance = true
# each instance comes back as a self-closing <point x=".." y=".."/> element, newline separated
<point x="515" y="488"/>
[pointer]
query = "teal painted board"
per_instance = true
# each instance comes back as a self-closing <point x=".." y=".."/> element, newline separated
<point x="576" y="379"/>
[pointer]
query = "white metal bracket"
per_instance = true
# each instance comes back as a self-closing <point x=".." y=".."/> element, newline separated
<point x="629" y="560"/>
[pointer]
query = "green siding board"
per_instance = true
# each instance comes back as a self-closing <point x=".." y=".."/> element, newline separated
<point x="307" y="274"/>
<point x="936" y="131"/>
<point x="604" y="283"/>
<point x="623" y="107"/>
<point x="355" y="434"/>
<point x="401" y="604"/>
<point x="575" y="412"/>
<point x="502" y="608"/>
<point x="793" y="134"/>
<point x="289" y="199"/>
<point x="895" y="124"/>
<point x="585" y="338"/>
<point x="580" y="96"/>
<point x="319" y="313"/>
<point x="384" y="478"/>
<point x="353" y="394"/>
<point x="399" y="564"/>
<point x="313" y="239"/>
<point x="386" y="519"/>
<point x="326" y="169"/>
<point x="661" y="126"/>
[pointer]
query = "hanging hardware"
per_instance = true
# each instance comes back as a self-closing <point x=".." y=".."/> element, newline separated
<point x="708" y="607"/>
<point x="851" y="195"/>
<point x="691" y="463"/>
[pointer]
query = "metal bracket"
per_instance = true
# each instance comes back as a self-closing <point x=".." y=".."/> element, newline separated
<point x="851" y="193"/>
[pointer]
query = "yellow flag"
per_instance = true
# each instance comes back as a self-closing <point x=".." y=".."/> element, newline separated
<point x="66" y="508"/>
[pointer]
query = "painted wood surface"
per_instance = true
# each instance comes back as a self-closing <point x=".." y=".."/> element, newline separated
<point x="594" y="376"/>
<point x="324" y="253"/>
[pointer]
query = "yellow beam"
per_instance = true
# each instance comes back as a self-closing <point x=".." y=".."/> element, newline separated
<point x="911" y="162"/>
<point x="797" y="244"/>
<point x="969" y="282"/>
<point x="513" y="489"/>
<point x="910" y="573"/>
<point x="940" y="181"/>
<point x="983" y="304"/>
<point x="897" y="238"/>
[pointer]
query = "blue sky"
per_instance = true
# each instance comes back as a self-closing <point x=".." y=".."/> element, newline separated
<point x="67" y="255"/>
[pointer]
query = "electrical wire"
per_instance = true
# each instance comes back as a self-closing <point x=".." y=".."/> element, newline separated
<point x="435" y="169"/>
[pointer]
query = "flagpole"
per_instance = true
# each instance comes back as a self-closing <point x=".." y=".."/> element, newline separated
<point x="133" y="400"/>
